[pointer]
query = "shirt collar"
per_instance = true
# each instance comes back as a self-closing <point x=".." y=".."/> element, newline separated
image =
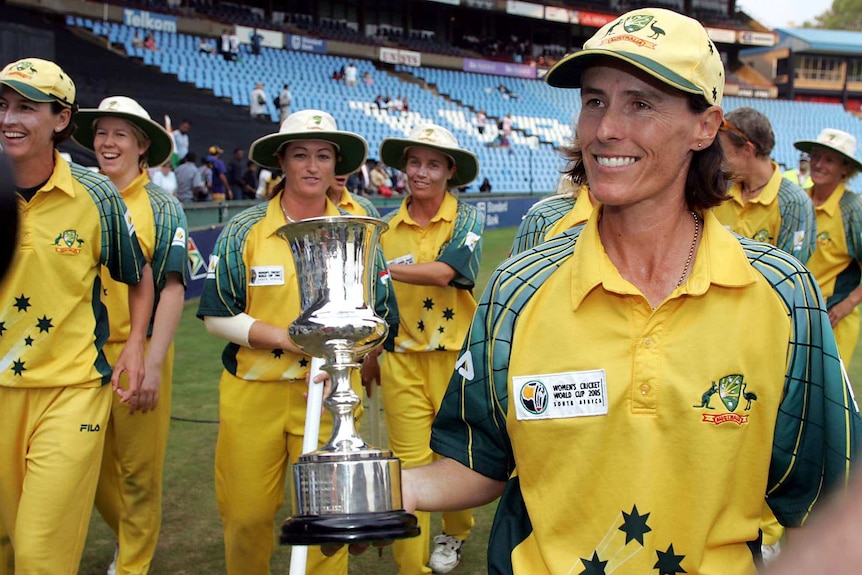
<point x="767" y="195"/>
<point x="832" y="203"/>
<point x="447" y="212"/>
<point x="61" y="178"/>
<point x="274" y="217"/>
<point x="719" y="260"/>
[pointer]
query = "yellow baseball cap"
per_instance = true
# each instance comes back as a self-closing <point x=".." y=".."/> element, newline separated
<point x="40" y="81"/>
<point x="668" y="46"/>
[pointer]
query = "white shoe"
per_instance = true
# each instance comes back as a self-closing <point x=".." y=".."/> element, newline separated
<point x="770" y="552"/>
<point x="112" y="568"/>
<point x="446" y="555"/>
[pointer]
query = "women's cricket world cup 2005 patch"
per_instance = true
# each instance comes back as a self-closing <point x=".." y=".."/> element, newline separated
<point x="561" y="395"/>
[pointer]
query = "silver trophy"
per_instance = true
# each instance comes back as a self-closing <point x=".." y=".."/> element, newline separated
<point x="346" y="491"/>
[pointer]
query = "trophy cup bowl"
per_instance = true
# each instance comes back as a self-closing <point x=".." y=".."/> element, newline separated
<point x="346" y="491"/>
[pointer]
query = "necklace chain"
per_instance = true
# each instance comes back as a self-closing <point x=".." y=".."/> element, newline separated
<point x="691" y="249"/>
<point x="286" y="217"/>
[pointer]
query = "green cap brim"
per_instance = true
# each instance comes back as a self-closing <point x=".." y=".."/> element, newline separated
<point x="466" y="163"/>
<point x="161" y="144"/>
<point x="567" y="72"/>
<point x="33" y="94"/>
<point x="352" y="149"/>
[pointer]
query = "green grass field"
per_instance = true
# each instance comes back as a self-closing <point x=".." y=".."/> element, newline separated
<point x="191" y="537"/>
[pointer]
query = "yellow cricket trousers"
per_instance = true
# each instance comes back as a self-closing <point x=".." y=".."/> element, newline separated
<point x="413" y="385"/>
<point x="129" y="495"/>
<point x="847" y="335"/>
<point x="50" y="453"/>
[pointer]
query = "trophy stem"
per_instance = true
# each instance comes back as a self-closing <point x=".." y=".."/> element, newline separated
<point x="342" y="403"/>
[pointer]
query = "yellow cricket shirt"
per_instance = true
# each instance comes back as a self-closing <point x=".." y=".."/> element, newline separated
<point x="251" y="270"/>
<point x="357" y="205"/>
<point x="580" y="213"/>
<point x="781" y="215"/>
<point x="52" y="322"/>
<point x="435" y="318"/>
<point x="837" y="254"/>
<point x="160" y="225"/>
<point x="635" y="440"/>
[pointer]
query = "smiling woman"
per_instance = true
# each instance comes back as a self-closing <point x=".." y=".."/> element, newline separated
<point x="53" y="391"/>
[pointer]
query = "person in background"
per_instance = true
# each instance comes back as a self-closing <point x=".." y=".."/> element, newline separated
<point x="180" y="136"/>
<point x="837" y="259"/>
<point x="551" y="216"/>
<point x="675" y="362"/>
<point x="351" y="75"/>
<point x="285" y="98"/>
<point x="339" y="195"/>
<point x="262" y="405"/>
<point x="54" y="392"/>
<point x="190" y="184"/>
<point x="801" y="176"/>
<point x="481" y="122"/>
<point x="762" y="205"/>
<point x="129" y="496"/>
<point x="486" y="186"/>
<point x="433" y="247"/>
<point x="220" y="189"/>
<point x="165" y="178"/>
<point x="256" y="39"/>
<point x="235" y="170"/>
<point x="257" y="103"/>
<point x="250" y="181"/>
<point x="150" y="42"/>
<point x="206" y="170"/>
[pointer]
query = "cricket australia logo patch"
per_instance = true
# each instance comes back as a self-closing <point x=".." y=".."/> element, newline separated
<point x="68" y="243"/>
<point x="561" y="395"/>
<point x="823" y="239"/>
<point x="732" y="390"/>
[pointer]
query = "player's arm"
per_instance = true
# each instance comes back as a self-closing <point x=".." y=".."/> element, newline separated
<point x="438" y="273"/>
<point x="447" y="485"/>
<point x="165" y="322"/>
<point x="131" y="359"/>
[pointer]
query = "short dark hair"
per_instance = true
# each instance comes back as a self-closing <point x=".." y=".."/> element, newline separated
<point x="190" y="157"/>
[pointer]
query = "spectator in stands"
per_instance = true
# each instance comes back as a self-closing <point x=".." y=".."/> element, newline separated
<point x="378" y="101"/>
<point x="396" y="105"/>
<point x="180" y="137"/>
<point x="285" y="98"/>
<point x="235" y="170"/>
<point x="838" y="256"/>
<point x="150" y="42"/>
<point x="250" y="181"/>
<point x="190" y="184"/>
<point x="485" y="186"/>
<point x="205" y="46"/>
<point x="762" y="205"/>
<point x="436" y="241"/>
<point x="651" y="262"/>
<point x="506" y="126"/>
<point x="381" y="180"/>
<point x="801" y="175"/>
<point x="351" y="75"/>
<point x="257" y="103"/>
<point x="129" y="496"/>
<point x="256" y="39"/>
<point x="206" y="170"/>
<point x="481" y="121"/>
<point x="338" y="75"/>
<point x="137" y="41"/>
<point x="221" y="189"/>
<point x="165" y="178"/>
<point x="405" y="105"/>
<point x="55" y="375"/>
<point x="262" y="388"/>
<point x="367" y="79"/>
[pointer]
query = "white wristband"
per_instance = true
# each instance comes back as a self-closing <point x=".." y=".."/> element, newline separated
<point x="234" y="328"/>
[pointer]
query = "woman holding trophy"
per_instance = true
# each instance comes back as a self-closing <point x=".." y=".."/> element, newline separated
<point x="250" y="298"/>
<point x="433" y="247"/>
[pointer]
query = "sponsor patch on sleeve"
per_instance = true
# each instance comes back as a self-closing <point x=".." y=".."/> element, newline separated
<point x="211" y="268"/>
<point x="179" y="238"/>
<point x="471" y="240"/>
<point x="266" y="276"/>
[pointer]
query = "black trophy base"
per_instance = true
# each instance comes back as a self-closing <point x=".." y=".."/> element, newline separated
<point x="355" y="528"/>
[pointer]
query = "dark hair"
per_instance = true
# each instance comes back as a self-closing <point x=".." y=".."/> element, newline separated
<point x="190" y="157"/>
<point x="705" y="183"/>
<point x="755" y="128"/>
<point x="65" y="133"/>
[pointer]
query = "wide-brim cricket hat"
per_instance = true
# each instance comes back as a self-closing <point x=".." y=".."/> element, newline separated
<point x="311" y="125"/>
<point x="671" y="47"/>
<point x="161" y="143"/>
<point x="436" y="138"/>
<point x="39" y="81"/>
<point x="836" y="140"/>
